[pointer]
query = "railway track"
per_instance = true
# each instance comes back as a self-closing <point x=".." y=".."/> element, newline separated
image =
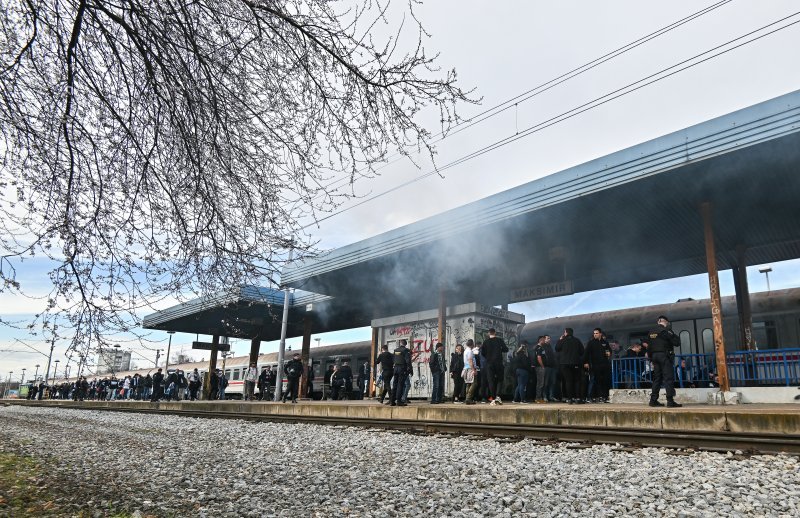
<point x="626" y="440"/>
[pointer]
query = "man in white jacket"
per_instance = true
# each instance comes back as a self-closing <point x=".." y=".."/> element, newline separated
<point x="250" y="378"/>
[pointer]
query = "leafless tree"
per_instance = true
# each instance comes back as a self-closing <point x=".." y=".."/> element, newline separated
<point x="160" y="148"/>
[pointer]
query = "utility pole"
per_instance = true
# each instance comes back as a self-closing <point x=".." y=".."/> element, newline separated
<point x="169" y="346"/>
<point x="49" y="359"/>
<point x="158" y="355"/>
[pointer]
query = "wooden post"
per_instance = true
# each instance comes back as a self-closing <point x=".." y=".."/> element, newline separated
<point x="212" y="366"/>
<point x="372" y="352"/>
<point x="304" y="355"/>
<point x="716" y="301"/>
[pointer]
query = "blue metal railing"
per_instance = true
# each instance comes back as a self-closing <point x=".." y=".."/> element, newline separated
<point x="772" y="367"/>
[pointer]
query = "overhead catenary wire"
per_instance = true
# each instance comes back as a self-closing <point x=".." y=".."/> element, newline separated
<point x="546" y="86"/>
<point x="599" y="101"/>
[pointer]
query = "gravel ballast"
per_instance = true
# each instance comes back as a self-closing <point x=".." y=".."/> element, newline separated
<point x="165" y="465"/>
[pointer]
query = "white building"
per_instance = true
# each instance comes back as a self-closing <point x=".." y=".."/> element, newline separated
<point x="113" y="360"/>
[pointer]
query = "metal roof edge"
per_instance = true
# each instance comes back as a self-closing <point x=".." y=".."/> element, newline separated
<point x="244" y="294"/>
<point x="745" y="127"/>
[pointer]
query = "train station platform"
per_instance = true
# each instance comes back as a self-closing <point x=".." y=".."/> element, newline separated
<point x="749" y="419"/>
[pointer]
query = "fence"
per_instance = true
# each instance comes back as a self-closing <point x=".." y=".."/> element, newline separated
<point x="772" y="367"/>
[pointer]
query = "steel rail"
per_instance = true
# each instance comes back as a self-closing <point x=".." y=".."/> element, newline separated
<point x="686" y="440"/>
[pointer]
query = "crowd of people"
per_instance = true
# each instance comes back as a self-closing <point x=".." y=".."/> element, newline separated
<point x="567" y="371"/>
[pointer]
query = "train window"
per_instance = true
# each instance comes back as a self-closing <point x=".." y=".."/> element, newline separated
<point x="228" y="373"/>
<point x="236" y="374"/>
<point x="686" y="342"/>
<point x="765" y="335"/>
<point x="708" y="341"/>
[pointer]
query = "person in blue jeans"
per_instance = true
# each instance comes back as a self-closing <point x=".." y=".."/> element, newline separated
<point x="522" y="366"/>
<point x="438" y="370"/>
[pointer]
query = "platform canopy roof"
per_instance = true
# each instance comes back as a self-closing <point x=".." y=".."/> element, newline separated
<point x="626" y="218"/>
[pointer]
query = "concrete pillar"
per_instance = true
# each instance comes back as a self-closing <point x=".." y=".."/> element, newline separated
<point x="305" y="353"/>
<point x="743" y="299"/>
<point x="716" y="301"/>
<point x="212" y="366"/>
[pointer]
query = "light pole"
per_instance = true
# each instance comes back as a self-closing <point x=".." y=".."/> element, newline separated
<point x="22" y="381"/>
<point x="55" y="369"/>
<point x="318" y="340"/>
<point x="158" y="355"/>
<point x="766" y="271"/>
<point x="169" y="346"/>
<point x="36" y="374"/>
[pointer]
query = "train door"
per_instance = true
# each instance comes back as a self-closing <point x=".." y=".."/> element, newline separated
<point x="685" y="330"/>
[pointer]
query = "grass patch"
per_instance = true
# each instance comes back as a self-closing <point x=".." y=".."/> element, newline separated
<point x="25" y="491"/>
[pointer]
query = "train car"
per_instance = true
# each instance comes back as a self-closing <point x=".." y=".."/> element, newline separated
<point x="776" y="323"/>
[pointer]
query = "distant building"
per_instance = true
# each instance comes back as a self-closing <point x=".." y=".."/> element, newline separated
<point x="113" y="360"/>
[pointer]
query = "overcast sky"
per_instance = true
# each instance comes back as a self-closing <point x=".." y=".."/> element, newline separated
<point x="503" y="49"/>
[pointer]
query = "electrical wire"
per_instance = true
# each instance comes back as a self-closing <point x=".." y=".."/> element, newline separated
<point x="548" y="85"/>
<point x="599" y="101"/>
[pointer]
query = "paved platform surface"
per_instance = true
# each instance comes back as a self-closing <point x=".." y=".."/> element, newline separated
<point x="763" y="418"/>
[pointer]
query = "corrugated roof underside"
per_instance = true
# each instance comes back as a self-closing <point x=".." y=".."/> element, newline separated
<point x="766" y="121"/>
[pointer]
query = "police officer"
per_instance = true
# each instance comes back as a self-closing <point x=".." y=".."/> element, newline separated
<point x="662" y="344"/>
<point x="402" y="367"/>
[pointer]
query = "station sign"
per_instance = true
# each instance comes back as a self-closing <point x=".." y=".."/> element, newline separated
<point x="544" y="291"/>
<point x="207" y="346"/>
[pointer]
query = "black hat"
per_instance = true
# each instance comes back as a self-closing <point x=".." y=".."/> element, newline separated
<point x="662" y="317"/>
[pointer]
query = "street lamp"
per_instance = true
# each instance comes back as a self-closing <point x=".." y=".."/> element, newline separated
<point x="36" y="374"/>
<point x="766" y="271"/>
<point x="54" y="370"/>
<point x="22" y="381"/>
<point x="318" y="340"/>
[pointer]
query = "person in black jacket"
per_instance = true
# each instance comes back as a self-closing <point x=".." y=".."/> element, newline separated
<point x="402" y="368"/>
<point x="456" y="370"/>
<point x="493" y="349"/>
<point x="386" y="362"/>
<point x="362" y="379"/>
<point x="294" y="370"/>
<point x="662" y="353"/>
<point x="158" y="389"/>
<point x="570" y="357"/>
<point x="438" y="369"/>
<point x="597" y="358"/>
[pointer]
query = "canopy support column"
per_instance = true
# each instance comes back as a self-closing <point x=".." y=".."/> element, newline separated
<point x="442" y="315"/>
<point x="305" y="353"/>
<point x="255" y="346"/>
<point x="716" y="301"/>
<point x="743" y="299"/>
<point x="212" y="367"/>
<point x="372" y="352"/>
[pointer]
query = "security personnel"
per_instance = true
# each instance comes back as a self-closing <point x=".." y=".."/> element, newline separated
<point x="402" y="367"/>
<point x="662" y="344"/>
<point x="386" y="361"/>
